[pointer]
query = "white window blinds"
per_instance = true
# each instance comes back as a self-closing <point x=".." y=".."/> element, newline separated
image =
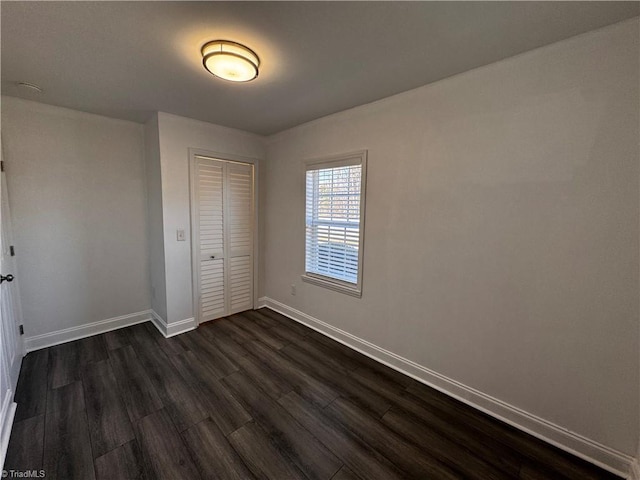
<point x="334" y="201"/>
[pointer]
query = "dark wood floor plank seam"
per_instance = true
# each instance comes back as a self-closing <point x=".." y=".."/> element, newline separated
<point x="258" y="317"/>
<point x="116" y="339"/>
<point x="392" y="446"/>
<point x="170" y="346"/>
<point x="238" y="334"/>
<point x="271" y="382"/>
<point x="296" y="442"/>
<point x="31" y="391"/>
<point x="358" y="456"/>
<point x="109" y="423"/>
<point x="92" y="349"/>
<point x="345" y="474"/>
<point x="365" y="397"/>
<point x="286" y="321"/>
<point x="164" y="454"/>
<point x="63" y="365"/>
<point x="323" y="344"/>
<point x="221" y="405"/>
<point x="179" y="398"/>
<point x="261" y="456"/>
<point x="306" y="385"/>
<point x="136" y="389"/>
<point x="264" y="334"/>
<point x="92" y="441"/>
<point x="287" y="334"/>
<point x="212" y="453"/>
<point x="324" y="354"/>
<point x="232" y="349"/>
<point x="67" y="450"/>
<point x="123" y="463"/>
<point x="26" y="445"/>
<point x="209" y="353"/>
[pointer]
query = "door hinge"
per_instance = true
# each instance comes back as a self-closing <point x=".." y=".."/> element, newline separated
<point x="12" y="251"/>
<point x="21" y="330"/>
<point x="1" y="165"/>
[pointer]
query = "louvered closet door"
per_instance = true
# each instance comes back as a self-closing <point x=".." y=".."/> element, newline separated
<point x="224" y="223"/>
<point x="240" y="236"/>
<point x="210" y="235"/>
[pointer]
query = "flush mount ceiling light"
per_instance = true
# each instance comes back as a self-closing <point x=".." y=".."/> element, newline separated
<point x="29" y="86"/>
<point x="230" y="61"/>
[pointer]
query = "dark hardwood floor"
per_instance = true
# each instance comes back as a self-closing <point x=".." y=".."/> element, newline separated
<point x="255" y="395"/>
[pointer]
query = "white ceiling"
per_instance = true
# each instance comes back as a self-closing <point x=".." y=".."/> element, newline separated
<point x="129" y="59"/>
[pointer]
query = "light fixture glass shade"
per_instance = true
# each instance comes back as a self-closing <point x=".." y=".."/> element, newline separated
<point x="230" y="60"/>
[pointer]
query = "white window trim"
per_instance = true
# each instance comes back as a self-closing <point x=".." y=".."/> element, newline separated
<point x="353" y="158"/>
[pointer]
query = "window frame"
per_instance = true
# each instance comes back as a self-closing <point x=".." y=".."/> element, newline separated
<point x="342" y="160"/>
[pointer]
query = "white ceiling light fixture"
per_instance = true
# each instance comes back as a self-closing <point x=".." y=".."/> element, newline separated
<point x="230" y="60"/>
<point x="29" y="86"/>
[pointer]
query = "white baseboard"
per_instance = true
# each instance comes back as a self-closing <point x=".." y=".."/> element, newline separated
<point x="173" y="328"/>
<point x="74" y="333"/>
<point x="590" y="450"/>
<point x="7" y="412"/>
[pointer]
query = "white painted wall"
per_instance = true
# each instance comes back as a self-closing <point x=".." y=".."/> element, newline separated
<point x="154" y="217"/>
<point x="177" y="135"/>
<point x="501" y="243"/>
<point x="77" y="190"/>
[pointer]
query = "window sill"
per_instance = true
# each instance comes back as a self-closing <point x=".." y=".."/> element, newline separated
<point x="331" y="285"/>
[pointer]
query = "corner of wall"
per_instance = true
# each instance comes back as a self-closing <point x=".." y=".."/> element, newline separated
<point x="634" y="474"/>
<point x="173" y="328"/>
<point x="155" y="224"/>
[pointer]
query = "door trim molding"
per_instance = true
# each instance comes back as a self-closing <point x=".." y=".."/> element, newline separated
<point x="557" y="435"/>
<point x="193" y="152"/>
<point x="7" y="413"/>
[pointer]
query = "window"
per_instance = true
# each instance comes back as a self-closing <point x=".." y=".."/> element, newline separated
<point x="335" y="222"/>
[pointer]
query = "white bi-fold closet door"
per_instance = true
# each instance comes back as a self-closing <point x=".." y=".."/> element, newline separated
<point x="222" y="236"/>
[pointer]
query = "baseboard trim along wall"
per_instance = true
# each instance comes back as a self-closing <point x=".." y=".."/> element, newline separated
<point x="87" y="330"/>
<point x="174" y="328"/>
<point x="7" y="412"/>
<point x="82" y="331"/>
<point x="594" y="452"/>
<point x="635" y="471"/>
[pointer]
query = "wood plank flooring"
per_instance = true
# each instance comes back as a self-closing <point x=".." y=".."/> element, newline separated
<point x="255" y="395"/>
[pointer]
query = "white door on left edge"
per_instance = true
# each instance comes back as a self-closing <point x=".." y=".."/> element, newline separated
<point x="11" y="348"/>
<point x="10" y="304"/>
<point x="222" y="236"/>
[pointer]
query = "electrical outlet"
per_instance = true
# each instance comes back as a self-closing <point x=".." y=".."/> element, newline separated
<point x="180" y="234"/>
<point x="293" y="289"/>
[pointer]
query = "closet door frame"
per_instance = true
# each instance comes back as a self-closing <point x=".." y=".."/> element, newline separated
<point x="196" y="152"/>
